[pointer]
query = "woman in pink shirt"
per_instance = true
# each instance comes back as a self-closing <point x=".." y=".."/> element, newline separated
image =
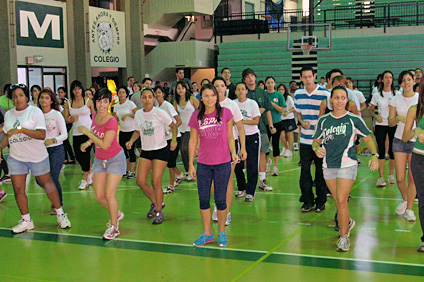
<point x="109" y="163"/>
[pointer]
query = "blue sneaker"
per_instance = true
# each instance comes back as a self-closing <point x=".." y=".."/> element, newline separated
<point x="203" y="239"/>
<point x="222" y="239"/>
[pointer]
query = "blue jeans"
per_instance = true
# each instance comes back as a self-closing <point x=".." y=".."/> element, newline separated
<point x="252" y="166"/>
<point x="56" y="158"/>
<point x="220" y="174"/>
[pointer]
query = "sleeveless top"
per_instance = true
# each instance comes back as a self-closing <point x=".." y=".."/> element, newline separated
<point x="185" y="115"/>
<point x="84" y="118"/>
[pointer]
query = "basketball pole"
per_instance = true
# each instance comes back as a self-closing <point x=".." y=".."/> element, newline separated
<point x="311" y="18"/>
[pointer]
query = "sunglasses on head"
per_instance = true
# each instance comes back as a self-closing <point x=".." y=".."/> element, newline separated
<point x="14" y="86"/>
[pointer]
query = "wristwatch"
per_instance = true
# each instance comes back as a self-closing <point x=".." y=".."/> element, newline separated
<point x="19" y="128"/>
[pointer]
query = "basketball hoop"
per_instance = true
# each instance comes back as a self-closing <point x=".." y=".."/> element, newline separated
<point x="306" y="49"/>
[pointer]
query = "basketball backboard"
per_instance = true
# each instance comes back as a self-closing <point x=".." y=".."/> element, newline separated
<point x="317" y="34"/>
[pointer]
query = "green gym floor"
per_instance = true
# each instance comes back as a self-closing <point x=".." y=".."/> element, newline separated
<point x="269" y="239"/>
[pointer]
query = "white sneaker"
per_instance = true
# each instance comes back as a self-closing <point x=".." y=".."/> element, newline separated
<point x="283" y="152"/>
<point x="391" y="179"/>
<point x="188" y="177"/>
<point x="264" y="186"/>
<point x="288" y="154"/>
<point x="268" y="165"/>
<point x="23" y="226"/>
<point x="90" y="178"/>
<point x="275" y="171"/>
<point x="228" y="220"/>
<point x="120" y="217"/>
<point x="410" y="216"/>
<point x="240" y="194"/>
<point x="83" y="185"/>
<point x="111" y="232"/>
<point x="295" y="147"/>
<point x="215" y="214"/>
<point x="63" y="221"/>
<point x="343" y="244"/>
<point x="400" y="210"/>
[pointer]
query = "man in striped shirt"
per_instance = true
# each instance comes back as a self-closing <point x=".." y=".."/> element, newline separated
<point x="307" y="101"/>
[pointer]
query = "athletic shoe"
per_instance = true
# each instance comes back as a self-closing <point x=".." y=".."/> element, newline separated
<point x="169" y="189"/>
<point x="268" y="165"/>
<point x="264" y="186"/>
<point x="152" y="210"/>
<point x="350" y="227"/>
<point x="319" y="208"/>
<point x="203" y="239"/>
<point x="90" y="178"/>
<point x="188" y="177"/>
<point x="275" y="171"/>
<point x="120" y="217"/>
<point x="23" y="226"/>
<point x="343" y="244"/>
<point x="3" y="196"/>
<point x="5" y="178"/>
<point x="283" y="152"/>
<point x="288" y="154"/>
<point x="249" y="198"/>
<point x="239" y="194"/>
<point x="410" y="216"/>
<point x="179" y="179"/>
<point x="158" y="218"/>
<point x="307" y="207"/>
<point x="125" y="175"/>
<point x="63" y="221"/>
<point x="228" y="220"/>
<point x="222" y="239"/>
<point x="83" y="185"/>
<point x="391" y="179"/>
<point x="215" y="214"/>
<point x="421" y="248"/>
<point x="381" y="182"/>
<point x="400" y="210"/>
<point x="111" y="232"/>
<point x="295" y="147"/>
<point x="359" y="163"/>
<point x="131" y="175"/>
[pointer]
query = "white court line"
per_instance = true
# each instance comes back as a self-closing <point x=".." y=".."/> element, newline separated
<point x="220" y="248"/>
<point x="303" y="223"/>
<point x="401" y="230"/>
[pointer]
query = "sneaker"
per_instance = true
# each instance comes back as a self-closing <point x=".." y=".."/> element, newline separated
<point x="188" y="177"/>
<point x="158" y="218"/>
<point x="239" y="194"/>
<point x="3" y="196"/>
<point x="152" y="210"/>
<point x="228" y="220"/>
<point x="381" y="182"/>
<point x="63" y="221"/>
<point x="111" y="232"/>
<point x="169" y="189"/>
<point x="295" y="147"/>
<point x="359" y="163"/>
<point x="125" y="175"/>
<point x="90" y="178"/>
<point x="264" y="186"/>
<point x="421" y="248"/>
<point x="350" y="227"/>
<point x="268" y="165"/>
<point x="391" y="179"/>
<point x="215" y="214"/>
<point x="120" y="217"/>
<point x="179" y="179"/>
<point x="400" y="210"/>
<point x="131" y="175"/>
<point x="283" y="152"/>
<point x="275" y="171"/>
<point x="203" y="239"/>
<point x="249" y="198"/>
<point x="83" y="185"/>
<point x="307" y="207"/>
<point x="319" y="208"/>
<point x="288" y="154"/>
<point x="5" y="178"/>
<point x="222" y="239"/>
<point x="410" y="216"/>
<point x="23" y="226"/>
<point x="343" y="244"/>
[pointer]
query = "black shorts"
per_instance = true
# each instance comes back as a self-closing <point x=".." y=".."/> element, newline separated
<point x="159" y="154"/>
<point x="288" y="125"/>
<point x="137" y="143"/>
<point x="172" y="162"/>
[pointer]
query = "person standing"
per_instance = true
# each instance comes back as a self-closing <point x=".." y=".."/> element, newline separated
<point x="231" y="88"/>
<point x="69" y="153"/>
<point x="288" y="123"/>
<point x="130" y="83"/>
<point x="307" y="101"/>
<point x="179" y="72"/>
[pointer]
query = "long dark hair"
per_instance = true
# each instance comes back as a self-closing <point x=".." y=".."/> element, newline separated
<point x="75" y="84"/>
<point x="202" y="106"/>
<point x="187" y="94"/>
<point x="286" y="91"/>
<point x="381" y="86"/>
<point x="55" y="101"/>
<point x="420" y="105"/>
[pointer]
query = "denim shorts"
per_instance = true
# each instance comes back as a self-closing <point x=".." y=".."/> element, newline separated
<point x="399" y="146"/>
<point x="116" y="165"/>
<point x="346" y="172"/>
<point x="17" y="167"/>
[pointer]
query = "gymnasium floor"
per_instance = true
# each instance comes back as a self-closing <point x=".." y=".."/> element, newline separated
<point x="269" y="239"/>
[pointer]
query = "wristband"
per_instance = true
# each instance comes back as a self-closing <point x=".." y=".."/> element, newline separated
<point x="271" y="127"/>
<point x="54" y="140"/>
<point x="19" y="128"/>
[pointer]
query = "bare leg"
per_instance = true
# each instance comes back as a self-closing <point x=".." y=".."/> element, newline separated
<point x="157" y="174"/>
<point x="342" y="195"/>
<point x="143" y="170"/>
<point x="400" y="163"/>
<point x="112" y="183"/>
<point x="19" y="183"/>
<point x="412" y="191"/>
<point x="206" y="218"/>
<point x="51" y="190"/>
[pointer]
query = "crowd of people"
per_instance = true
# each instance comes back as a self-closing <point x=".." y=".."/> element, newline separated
<point x="242" y="122"/>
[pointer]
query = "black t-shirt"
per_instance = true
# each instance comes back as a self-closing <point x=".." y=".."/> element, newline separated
<point x="231" y="91"/>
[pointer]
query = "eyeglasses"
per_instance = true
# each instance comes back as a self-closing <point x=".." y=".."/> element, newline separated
<point x="14" y="86"/>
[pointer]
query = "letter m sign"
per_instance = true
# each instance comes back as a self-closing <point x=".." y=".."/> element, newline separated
<point x="39" y="25"/>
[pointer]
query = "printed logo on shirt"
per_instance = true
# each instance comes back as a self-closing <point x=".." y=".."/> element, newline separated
<point x="275" y="100"/>
<point x="330" y="133"/>
<point x="245" y="114"/>
<point x="18" y="138"/>
<point x="210" y="127"/>
<point x="97" y="133"/>
<point x="148" y="129"/>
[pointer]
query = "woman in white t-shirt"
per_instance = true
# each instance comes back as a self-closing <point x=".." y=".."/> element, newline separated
<point x="25" y="128"/>
<point x="55" y="135"/>
<point x="78" y="111"/>
<point x="382" y="100"/>
<point x="150" y="125"/>
<point x="399" y="107"/>
<point x="124" y="112"/>
<point x="288" y="123"/>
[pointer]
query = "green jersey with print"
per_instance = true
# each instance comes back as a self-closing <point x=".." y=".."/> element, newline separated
<point x="278" y="99"/>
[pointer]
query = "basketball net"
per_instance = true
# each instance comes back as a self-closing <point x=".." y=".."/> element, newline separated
<point x="306" y="49"/>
